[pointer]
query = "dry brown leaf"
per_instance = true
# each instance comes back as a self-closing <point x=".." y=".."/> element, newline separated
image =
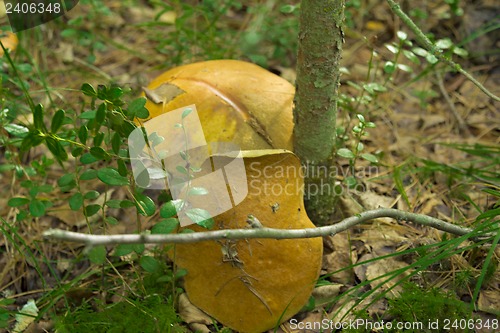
<point x="382" y="237"/>
<point x="164" y="93"/>
<point x="77" y="218"/>
<point x="194" y="317"/>
<point x="313" y="322"/>
<point x="325" y="294"/>
<point x="489" y="301"/>
<point x="372" y="200"/>
<point x="341" y="256"/>
<point x="430" y="120"/>
<point x="336" y="261"/>
<point x="380" y="267"/>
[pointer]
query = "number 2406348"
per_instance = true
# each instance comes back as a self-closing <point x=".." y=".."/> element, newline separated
<point x="32" y="8"/>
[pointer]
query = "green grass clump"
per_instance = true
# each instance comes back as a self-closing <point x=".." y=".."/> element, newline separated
<point x="426" y="306"/>
<point x="152" y="314"/>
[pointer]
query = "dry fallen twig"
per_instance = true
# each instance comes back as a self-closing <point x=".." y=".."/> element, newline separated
<point x="264" y="232"/>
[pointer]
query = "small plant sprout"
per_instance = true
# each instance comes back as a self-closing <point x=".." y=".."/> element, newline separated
<point x="359" y="131"/>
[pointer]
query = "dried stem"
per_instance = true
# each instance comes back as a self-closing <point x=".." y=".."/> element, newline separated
<point x="427" y="44"/>
<point x="264" y="232"/>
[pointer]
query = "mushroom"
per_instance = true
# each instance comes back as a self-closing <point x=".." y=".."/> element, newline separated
<point x="248" y="285"/>
<point x="9" y="41"/>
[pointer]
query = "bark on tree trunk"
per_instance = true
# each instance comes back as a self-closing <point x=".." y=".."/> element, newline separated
<point x="319" y="52"/>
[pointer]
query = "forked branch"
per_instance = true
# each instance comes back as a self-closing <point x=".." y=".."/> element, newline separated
<point x="264" y="232"/>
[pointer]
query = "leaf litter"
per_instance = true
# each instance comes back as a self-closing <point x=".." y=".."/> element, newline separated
<point x="409" y="128"/>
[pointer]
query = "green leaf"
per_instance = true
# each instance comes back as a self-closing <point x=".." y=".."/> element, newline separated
<point x="56" y="148"/>
<point x="180" y="273"/>
<point x="116" y="118"/>
<point x="168" y="210"/>
<point x="165" y="226"/>
<point x="37" y="208"/>
<point x="111" y="176"/>
<point x="122" y="168"/>
<point x="389" y="67"/>
<point x="97" y="254"/>
<point x="113" y="203"/>
<point x="181" y="169"/>
<point x="88" y="174"/>
<point x="127" y="204"/>
<point x="411" y="56"/>
<point x="92" y="209"/>
<point x="197" y="191"/>
<point x="346" y="153"/>
<point x="88" y="115"/>
<point x="17" y="201"/>
<point x="370" y="157"/>
<point x="431" y="59"/>
<point x="139" y="248"/>
<point x="116" y="142"/>
<point x="444" y="43"/>
<point x="391" y="48"/>
<point x="38" y="118"/>
<point x="111" y="220"/>
<point x="16" y="130"/>
<point x="83" y="134"/>
<point x="66" y="179"/>
<point x="350" y="181"/>
<point x="123" y="249"/>
<point x="136" y="108"/>
<point x="33" y="139"/>
<point x="57" y="121"/>
<point x="99" y="153"/>
<point x="460" y="52"/>
<point x="145" y="205"/>
<point x="91" y="195"/>
<point x="102" y="92"/>
<point x="100" y="115"/>
<point x="420" y="51"/>
<point x="98" y="139"/>
<point x="288" y="9"/>
<point x="186" y="112"/>
<point x="374" y="87"/>
<point x="405" y="68"/>
<point x="150" y="264"/>
<point x="88" y="90"/>
<point x="45" y="188"/>
<point x="115" y="93"/>
<point x="402" y="35"/>
<point x="201" y="217"/>
<point x="76" y="201"/>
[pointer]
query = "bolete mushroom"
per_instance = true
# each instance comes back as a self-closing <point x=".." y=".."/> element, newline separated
<point x="248" y="285"/>
<point x="9" y="41"/>
<point x="237" y="102"/>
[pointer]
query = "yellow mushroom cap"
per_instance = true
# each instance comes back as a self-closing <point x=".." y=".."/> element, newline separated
<point x="237" y="101"/>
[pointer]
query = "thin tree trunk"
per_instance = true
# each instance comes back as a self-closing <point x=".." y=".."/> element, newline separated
<point x="320" y="47"/>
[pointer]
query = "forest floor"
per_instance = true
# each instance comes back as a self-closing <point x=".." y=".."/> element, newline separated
<point x="436" y="137"/>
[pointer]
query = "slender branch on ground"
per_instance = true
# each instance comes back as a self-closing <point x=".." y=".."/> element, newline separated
<point x="261" y="232"/>
<point x="435" y="51"/>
